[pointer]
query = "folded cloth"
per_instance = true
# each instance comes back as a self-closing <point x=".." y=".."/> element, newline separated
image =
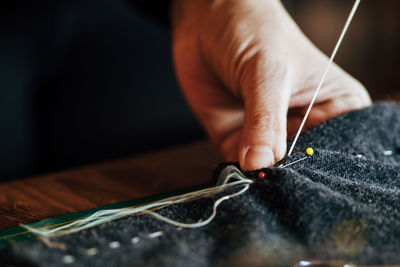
<point x="341" y="203"/>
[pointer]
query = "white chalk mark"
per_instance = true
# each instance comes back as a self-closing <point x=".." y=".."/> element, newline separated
<point x="156" y="234"/>
<point x="68" y="259"/>
<point x="92" y="251"/>
<point x="114" y="245"/>
<point x="388" y="152"/>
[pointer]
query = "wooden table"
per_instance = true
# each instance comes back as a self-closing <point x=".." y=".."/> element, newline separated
<point x="33" y="199"/>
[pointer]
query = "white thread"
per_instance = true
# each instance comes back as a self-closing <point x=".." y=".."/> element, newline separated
<point x="114" y="244"/>
<point x="202" y="223"/>
<point x="353" y="11"/>
<point x="135" y="240"/>
<point x="155" y="234"/>
<point x="92" y="251"/>
<point x="102" y="216"/>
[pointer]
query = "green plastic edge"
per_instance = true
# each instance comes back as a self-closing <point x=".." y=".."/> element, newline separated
<point x="17" y="234"/>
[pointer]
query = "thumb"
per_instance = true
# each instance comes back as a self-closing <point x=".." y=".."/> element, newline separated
<point x="263" y="140"/>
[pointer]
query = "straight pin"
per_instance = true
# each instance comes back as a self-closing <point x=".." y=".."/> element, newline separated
<point x="291" y="163"/>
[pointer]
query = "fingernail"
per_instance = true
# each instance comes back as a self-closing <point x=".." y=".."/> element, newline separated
<point x="258" y="157"/>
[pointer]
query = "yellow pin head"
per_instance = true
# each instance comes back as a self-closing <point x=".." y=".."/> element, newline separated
<point x="309" y="151"/>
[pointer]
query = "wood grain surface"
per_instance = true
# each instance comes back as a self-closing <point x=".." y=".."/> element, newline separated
<point x="52" y="195"/>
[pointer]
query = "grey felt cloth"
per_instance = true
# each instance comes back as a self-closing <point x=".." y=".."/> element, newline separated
<point x="342" y="203"/>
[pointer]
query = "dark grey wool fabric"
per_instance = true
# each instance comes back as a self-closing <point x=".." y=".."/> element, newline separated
<point x="342" y="203"/>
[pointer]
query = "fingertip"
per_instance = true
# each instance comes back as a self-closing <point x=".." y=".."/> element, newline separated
<point x="257" y="157"/>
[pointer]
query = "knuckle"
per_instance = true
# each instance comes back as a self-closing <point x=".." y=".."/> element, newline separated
<point x="361" y="97"/>
<point x="260" y="68"/>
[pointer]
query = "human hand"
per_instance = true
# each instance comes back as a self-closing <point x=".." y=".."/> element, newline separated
<point x="249" y="73"/>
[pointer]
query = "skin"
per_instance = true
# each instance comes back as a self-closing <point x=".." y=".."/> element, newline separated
<point x="249" y="73"/>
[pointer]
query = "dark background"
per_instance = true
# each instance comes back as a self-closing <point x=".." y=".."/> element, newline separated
<point x="85" y="81"/>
